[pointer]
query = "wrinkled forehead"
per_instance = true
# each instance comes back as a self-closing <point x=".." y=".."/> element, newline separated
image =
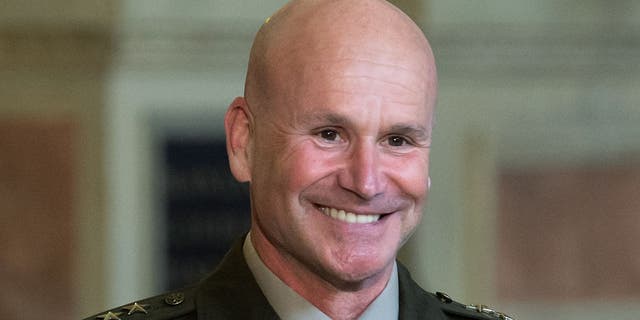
<point x="368" y="91"/>
<point x="392" y="71"/>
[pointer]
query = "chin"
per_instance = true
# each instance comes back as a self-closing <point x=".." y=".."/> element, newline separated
<point x="355" y="281"/>
<point x="356" y="273"/>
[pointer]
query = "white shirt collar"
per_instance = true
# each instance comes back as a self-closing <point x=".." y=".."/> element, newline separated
<point x="289" y="305"/>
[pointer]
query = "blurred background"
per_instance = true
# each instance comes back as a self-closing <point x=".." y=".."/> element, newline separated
<point x="113" y="179"/>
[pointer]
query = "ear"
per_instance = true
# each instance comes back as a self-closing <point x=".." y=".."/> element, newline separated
<point x="238" y="126"/>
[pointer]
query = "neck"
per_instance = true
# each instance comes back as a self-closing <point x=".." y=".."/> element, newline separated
<point x="337" y="298"/>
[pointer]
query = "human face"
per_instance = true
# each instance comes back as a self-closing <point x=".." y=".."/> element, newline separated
<point x="340" y="162"/>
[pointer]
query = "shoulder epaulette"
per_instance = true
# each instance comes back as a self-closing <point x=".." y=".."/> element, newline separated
<point x="163" y="307"/>
<point x="470" y="311"/>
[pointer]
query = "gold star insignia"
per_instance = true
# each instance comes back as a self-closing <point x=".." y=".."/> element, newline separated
<point x="110" y="316"/>
<point x="135" y="308"/>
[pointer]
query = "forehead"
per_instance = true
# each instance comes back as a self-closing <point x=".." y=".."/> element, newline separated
<point x="383" y="75"/>
<point x="361" y="77"/>
<point x="366" y="84"/>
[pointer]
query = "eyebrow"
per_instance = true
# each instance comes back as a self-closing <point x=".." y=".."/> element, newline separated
<point x="417" y="131"/>
<point x="325" y="117"/>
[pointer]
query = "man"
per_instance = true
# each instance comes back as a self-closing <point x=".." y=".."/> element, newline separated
<point x="333" y="135"/>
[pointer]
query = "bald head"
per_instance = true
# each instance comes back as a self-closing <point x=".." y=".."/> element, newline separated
<point x="305" y="31"/>
<point x="336" y="118"/>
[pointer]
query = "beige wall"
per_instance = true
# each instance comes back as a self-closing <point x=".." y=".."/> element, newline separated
<point x="54" y="57"/>
<point x="524" y="85"/>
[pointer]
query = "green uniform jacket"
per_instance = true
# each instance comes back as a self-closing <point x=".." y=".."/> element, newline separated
<point x="231" y="292"/>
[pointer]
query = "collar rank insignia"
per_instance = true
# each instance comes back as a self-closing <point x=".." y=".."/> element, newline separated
<point x="468" y="311"/>
<point x="136" y="308"/>
<point x="488" y="311"/>
<point x="110" y="316"/>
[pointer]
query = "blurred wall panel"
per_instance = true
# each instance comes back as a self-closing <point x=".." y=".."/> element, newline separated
<point x="547" y="84"/>
<point x="36" y="220"/>
<point x="54" y="58"/>
<point x="569" y="233"/>
<point x="177" y="68"/>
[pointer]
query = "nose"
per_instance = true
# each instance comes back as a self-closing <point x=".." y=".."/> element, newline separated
<point x="363" y="174"/>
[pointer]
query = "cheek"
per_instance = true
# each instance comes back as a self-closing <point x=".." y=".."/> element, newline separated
<point x="412" y="177"/>
<point x="305" y="164"/>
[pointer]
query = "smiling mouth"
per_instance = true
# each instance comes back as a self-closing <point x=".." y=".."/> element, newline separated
<point x="349" y="217"/>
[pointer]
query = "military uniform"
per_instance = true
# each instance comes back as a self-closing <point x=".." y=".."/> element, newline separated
<point x="231" y="292"/>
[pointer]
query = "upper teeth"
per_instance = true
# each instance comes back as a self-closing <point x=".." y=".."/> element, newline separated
<point x="350" y="217"/>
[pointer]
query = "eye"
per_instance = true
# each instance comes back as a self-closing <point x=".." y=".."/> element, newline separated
<point x="329" y="135"/>
<point x="397" y="141"/>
